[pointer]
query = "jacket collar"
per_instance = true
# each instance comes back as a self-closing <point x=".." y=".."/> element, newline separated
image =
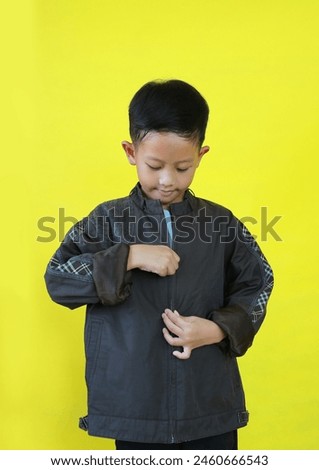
<point x="154" y="206"/>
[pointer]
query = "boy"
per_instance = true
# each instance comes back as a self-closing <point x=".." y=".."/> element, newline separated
<point x="175" y="289"/>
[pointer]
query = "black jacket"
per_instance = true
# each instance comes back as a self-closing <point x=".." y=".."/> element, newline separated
<point x="137" y="390"/>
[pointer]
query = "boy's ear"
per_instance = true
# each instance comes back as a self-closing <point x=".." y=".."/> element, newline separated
<point x="128" y="148"/>
<point x="202" y="152"/>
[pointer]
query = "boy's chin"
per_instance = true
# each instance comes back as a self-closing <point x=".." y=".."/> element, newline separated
<point x="165" y="197"/>
<point x="170" y="197"/>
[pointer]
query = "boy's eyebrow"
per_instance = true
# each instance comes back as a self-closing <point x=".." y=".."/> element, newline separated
<point x="190" y="160"/>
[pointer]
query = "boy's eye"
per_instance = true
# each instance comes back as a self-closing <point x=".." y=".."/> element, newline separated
<point x="154" y="167"/>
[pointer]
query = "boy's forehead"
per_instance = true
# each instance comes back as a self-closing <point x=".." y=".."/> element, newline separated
<point x="156" y="159"/>
<point x="156" y="143"/>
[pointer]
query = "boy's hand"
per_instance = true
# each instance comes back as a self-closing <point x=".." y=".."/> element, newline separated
<point x="158" y="259"/>
<point x="191" y="332"/>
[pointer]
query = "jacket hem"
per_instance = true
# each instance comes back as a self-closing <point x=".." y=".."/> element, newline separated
<point x="157" y="431"/>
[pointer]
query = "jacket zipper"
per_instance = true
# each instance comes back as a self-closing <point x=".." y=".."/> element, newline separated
<point x="172" y="396"/>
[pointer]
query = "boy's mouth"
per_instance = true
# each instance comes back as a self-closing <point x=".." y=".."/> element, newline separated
<point x="167" y="192"/>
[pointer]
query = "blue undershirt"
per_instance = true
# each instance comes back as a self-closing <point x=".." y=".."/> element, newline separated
<point x="168" y="220"/>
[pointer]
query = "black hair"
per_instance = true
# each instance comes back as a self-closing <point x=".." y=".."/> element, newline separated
<point x="168" y="106"/>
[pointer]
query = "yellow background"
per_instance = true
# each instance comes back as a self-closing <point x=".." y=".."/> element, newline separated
<point x="69" y="70"/>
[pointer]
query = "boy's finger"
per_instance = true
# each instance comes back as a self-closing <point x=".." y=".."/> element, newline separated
<point x="168" y="310"/>
<point x="176" y="318"/>
<point x="186" y="354"/>
<point x="171" y="313"/>
<point x="177" y="257"/>
<point x="170" y="339"/>
<point x="171" y="325"/>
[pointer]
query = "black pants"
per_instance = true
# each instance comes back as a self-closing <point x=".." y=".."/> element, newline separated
<point x="227" y="441"/>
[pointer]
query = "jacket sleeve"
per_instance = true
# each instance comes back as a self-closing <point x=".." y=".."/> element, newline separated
<point x="88" y="269"/>
<point x="249" y="282"/>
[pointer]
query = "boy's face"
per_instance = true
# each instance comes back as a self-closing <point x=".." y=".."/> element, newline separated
<point x="166" y="164"/>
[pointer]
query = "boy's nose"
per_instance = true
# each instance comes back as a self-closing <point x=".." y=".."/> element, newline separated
<point x="166" y="179"/>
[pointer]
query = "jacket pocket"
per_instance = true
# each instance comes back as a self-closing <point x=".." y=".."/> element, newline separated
<point x="93" y="335"/>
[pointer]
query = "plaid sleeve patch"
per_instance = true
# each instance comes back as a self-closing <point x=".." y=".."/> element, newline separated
<point x="77" y="231"/>
<point x="260" y="305"/>
<point x="72" y="266"/>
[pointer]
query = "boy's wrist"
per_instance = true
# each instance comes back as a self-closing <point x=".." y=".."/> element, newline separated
<point x="218" y="333"/>
<point x="214" y="333"/>
<point x="131" y="260"/>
